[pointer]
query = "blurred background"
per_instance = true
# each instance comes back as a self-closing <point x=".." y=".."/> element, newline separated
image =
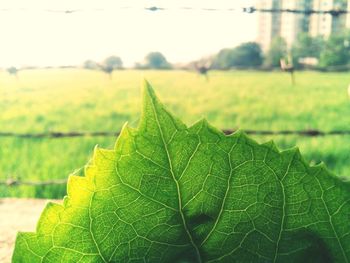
<point x="70" y="74"/>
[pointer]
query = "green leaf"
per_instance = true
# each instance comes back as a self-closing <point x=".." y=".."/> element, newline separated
<point x="168" y="193"/>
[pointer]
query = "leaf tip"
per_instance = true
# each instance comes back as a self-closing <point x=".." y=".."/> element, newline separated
<point x="147" y="89"/>
<point x="149" y="99"/>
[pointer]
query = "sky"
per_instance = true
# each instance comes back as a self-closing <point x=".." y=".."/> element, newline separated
<point x="40" y="33"/>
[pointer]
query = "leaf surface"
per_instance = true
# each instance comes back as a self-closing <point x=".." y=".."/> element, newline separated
<point x="169" y="193"/>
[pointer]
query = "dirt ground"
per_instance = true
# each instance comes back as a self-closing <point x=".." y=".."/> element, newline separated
<point x="17" y="215"/>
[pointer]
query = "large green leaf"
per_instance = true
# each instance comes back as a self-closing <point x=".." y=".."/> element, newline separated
<point x="168" y="193"/>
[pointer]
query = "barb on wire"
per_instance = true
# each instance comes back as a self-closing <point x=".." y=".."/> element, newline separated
<point x="64" y="11"/>
<point x="309" y="132"/>
<point x="154" y="8"/>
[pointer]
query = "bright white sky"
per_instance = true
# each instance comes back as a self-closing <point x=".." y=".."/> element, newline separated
<point x="31" y="34"/>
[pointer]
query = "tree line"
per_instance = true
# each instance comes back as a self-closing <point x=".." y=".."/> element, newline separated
<point x="332" y="53"/>
<point x="306" y="52"/>
<point x="153" y="60"/>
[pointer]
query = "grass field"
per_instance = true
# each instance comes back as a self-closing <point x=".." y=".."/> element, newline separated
<point x="80" y="100"/>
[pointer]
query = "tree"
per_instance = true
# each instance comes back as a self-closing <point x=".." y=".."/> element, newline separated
<point x="113" y="62"/>
<point x="278" y="50"/>
<point x="336" y="51"/>
<point x="156" y="60"/>
<point x="90" y="64"/>
<point x="12" y="71"/>
<point x="223" y="59"/>
<point x="245" y="55"/>
<point x="306" y="47"/>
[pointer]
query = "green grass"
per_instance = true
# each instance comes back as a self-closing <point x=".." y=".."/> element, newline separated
<point x="79" y="100"/>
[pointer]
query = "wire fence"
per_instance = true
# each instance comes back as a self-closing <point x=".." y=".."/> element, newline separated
<point x="11" y="182"/>
<point x="307" y="133"/>
<point x="248" y="10"/>
<point x="14" y="182"/>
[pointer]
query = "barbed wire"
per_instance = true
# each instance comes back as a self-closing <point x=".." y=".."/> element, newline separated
<point x="308" y="133"/>
<point x="332" y="12"/>
<point x="13" y="182"/>
<point x="248" y="10"/>
<point x="9" y="182"/>
<point x="16" y="182"/>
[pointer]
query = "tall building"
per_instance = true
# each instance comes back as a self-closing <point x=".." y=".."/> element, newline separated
<point x="290" y="25"/>
<point x="339" y="22"/>
<point x="269" y="23"/>
<point x="348" y="16"/>
<point x="293" y="24"/>
<point x="324" y="25"/>
<point x="321" y="24"/>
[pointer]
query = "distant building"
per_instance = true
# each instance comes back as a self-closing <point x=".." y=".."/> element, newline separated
<point x="324" y="25"/>
<point x="348" y="17"/>
<point x="269" y="23"/>
<point x="294" y="24"/>
<point x="321" y="25"/>
<point x="289" y="25"/>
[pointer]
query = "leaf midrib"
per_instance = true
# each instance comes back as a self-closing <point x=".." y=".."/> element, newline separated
<point x="194" y="245"/>
<point x="283" y="207"/>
